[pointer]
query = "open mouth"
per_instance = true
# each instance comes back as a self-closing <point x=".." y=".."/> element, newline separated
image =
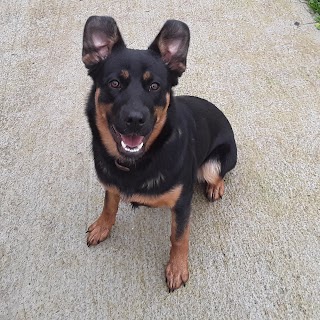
<point x="132" y="143"/>
<point x="129" y="144"/>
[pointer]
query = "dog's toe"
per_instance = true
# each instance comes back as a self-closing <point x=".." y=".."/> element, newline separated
<point x="215" y="191"/>
<point x="98" y="232"/>
<point x="177" y="274"/>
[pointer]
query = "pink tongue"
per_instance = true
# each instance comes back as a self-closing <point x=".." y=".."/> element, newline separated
<point x="132" y="141"/>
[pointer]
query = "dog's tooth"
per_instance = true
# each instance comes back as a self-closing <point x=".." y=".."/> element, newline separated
<point x="136" y="149"/>
<point x="140" y="146"/>
<point x="123" y="145"/>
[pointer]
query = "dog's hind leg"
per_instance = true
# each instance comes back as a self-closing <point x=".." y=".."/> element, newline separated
<point x="209" y="173"/>
<point x="213" y="170"/>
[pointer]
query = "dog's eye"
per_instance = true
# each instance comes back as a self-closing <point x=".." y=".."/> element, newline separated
<point x="154" y="86"/>
<point x="115" y="84"/>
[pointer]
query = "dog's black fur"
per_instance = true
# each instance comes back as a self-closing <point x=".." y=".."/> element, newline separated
<point x="134" y="90"/>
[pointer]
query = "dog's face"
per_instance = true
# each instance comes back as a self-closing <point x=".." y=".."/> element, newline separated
<point x="132" y="86"/>
<point x="132" y="99"/>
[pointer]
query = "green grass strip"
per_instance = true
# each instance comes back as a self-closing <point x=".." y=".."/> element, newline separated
<point x="315" y="6"/>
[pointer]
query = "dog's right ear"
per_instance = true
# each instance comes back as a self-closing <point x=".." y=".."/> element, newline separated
<point x="100" y="36"/>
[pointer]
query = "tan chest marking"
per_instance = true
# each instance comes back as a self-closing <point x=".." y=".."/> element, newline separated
<point x="167" y="199"/>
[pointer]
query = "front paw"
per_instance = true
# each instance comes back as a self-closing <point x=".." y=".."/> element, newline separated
<point x="177" y="273"/>
<point x="98" y="231"/>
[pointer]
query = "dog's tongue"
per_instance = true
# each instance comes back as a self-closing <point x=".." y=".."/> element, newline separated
<point x="132" y="141"/>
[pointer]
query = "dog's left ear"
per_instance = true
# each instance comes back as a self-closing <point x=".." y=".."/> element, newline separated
<point x="172" y="44"/>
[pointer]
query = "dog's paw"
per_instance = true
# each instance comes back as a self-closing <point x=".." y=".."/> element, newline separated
<point x="216" y="191"/>
<point x="98" y="231"/>
<point x="177" y="274"/>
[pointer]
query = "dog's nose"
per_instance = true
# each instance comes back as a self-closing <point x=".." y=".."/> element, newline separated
<point x="135" y="119"/>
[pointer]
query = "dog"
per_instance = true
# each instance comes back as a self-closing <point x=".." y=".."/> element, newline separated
<point x="150" y="147"/>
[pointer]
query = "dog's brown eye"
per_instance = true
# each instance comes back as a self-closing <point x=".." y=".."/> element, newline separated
<point x="114" y="84"/>
<point x="154" y="86"/>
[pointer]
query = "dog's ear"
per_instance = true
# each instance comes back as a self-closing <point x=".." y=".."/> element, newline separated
<point x="172" y="44"/>
<point x="100" y="36"/>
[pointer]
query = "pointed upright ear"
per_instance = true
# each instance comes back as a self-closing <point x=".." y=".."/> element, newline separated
<point x="100" y="36"/>
<point x="172" y="44"/>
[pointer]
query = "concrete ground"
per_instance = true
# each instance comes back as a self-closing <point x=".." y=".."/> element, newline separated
<point x="253" y="255"/>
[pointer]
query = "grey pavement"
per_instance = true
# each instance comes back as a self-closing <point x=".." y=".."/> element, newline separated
<point x="253" y="255"/>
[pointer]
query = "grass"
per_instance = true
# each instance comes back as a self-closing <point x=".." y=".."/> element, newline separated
<point x="315" y="6"/>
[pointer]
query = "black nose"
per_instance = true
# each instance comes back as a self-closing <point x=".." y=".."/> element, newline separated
<point x="135" y="119"/>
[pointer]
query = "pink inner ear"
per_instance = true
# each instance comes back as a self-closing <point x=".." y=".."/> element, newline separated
<point x="100" y="42"/>
<point x="173" y="47"/>
<point x="169" y="50"/>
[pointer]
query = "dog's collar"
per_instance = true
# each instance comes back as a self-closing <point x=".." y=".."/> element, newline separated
<point x="121" y="166"/>
<point x="131" y="165"/>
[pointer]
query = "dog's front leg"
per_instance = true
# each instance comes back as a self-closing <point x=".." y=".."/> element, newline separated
<point x="101" y="228"/>
<point x="177" y="273"/>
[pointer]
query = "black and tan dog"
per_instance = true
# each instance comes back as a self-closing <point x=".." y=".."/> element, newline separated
<point x="150" y="147"/>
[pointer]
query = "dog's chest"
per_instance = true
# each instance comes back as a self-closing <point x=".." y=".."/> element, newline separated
<point x="164" y="199"/>
<point x="153" y="182"/>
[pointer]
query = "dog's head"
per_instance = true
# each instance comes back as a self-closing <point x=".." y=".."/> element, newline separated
<point x="132" y="87"/>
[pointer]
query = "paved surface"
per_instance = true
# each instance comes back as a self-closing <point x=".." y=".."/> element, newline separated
<point x="254" y="255"/>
